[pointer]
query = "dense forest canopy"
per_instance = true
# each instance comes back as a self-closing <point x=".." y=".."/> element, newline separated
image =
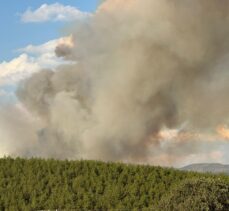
<point x="36" y="184"/>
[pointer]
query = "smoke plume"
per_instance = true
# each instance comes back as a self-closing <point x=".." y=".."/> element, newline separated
<point x="139" y="67"/>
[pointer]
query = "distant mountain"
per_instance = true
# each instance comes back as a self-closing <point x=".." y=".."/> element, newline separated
<point x="207" y="167"/>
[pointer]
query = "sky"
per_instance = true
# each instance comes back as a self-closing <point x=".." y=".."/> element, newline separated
<point x="24" y="47"/>
<point x="17" y="34"/>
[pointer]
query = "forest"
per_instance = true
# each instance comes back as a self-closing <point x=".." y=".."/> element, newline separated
<point x="48" y="184"/>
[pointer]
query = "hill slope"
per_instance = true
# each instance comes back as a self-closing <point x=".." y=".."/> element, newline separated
<point x="37" y="184"/>
<point x="207" y="167"/>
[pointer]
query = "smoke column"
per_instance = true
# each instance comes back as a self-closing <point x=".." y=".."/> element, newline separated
<point x="140" y="66"/>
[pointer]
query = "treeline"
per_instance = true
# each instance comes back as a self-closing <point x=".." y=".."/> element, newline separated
<point x="37" y="184"/>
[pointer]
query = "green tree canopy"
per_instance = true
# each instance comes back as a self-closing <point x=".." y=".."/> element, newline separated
<point x="197" y="194"/>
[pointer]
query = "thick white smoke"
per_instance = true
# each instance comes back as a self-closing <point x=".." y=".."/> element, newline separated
<point x="141" y="66"/>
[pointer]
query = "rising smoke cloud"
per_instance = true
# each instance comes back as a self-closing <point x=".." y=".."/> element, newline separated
<point x="140" y="66"/>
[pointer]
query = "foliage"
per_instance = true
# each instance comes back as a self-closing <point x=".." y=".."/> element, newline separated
<point x="197" y="194"/>
<point x="37" y="184"/>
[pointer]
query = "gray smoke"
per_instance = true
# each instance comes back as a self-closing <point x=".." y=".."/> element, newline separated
<point x="140" y="65"/>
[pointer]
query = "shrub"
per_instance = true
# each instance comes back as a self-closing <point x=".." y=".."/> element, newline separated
<point x="197" y="194"/>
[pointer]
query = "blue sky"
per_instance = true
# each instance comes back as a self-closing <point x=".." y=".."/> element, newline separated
<point x="15" y="34"/>
<point x="19" y="31"/>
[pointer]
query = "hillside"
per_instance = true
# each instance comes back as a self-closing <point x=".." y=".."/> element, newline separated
<point x="207" y="167"/>
<point x="36" y="184"/>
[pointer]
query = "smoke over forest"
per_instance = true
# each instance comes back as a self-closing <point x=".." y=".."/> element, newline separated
<point x="147" y="82"/>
